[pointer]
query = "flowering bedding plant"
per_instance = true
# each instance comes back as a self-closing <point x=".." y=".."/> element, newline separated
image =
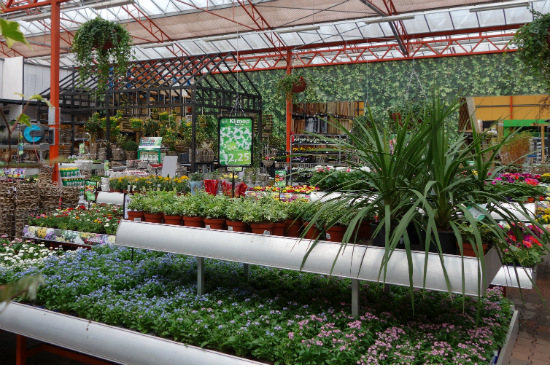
<point x="529" y="178"/>
<point x="282" y="317"/>
<point x="100" y="218"/>
<point x="300" y="189"/>
<point x="151" y="183"/>
<point x="523" y="245"/>
<point x="19" y="255"/>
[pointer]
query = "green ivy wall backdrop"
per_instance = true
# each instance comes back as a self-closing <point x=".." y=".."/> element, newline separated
<point x="383" y="84"/>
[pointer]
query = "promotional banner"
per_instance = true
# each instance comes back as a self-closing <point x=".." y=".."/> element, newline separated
<point x="235" y="141"/>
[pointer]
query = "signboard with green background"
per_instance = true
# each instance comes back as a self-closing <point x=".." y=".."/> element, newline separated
<point x="235" y="141"/>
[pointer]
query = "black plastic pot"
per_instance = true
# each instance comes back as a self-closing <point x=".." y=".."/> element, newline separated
<point x="447" y="240"/>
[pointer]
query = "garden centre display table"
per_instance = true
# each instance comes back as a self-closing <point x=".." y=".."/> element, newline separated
<point x="356" y="262"/>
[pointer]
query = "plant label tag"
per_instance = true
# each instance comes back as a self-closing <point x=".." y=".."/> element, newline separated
<point x="328" y="236"/>
<point x="266" y="231"/>
<point x="230" y="228"/>
<point x="208" y="226"/>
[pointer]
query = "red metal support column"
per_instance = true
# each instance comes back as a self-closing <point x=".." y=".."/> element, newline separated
<point x="54" y="79"/>
<point x="288" y="108"/>
<point x="20" y="349"/>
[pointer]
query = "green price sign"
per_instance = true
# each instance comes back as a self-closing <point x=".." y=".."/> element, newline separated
<point x="235" y="141"/>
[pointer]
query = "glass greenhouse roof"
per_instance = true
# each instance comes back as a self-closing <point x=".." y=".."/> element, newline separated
<point x="168" y="28"/>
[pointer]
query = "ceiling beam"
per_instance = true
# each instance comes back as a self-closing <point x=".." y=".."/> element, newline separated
<point x="262" y="25"/>
<point x="397" y="27"/>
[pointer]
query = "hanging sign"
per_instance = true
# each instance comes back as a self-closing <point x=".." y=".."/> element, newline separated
<point x="235" y="141"/>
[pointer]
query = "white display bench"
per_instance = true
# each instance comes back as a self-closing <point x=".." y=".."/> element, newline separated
<point x="464" y="275"/>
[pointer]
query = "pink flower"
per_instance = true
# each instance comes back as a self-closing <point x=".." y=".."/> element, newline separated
<point x="290" y="335"/>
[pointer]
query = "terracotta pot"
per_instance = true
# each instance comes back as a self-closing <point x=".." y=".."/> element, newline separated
<point x="193" y="222"/>
<point x="261" y="228"/>
<point x="135" y="216"/>
<point x="279" y="229"/>
<point x="530" y="200"/>
<point x="153" y="218"/>
<point x="237" y="226"/>
<point x="468" y="250"/>
<point x="117" y="190"/>
<point x="214" y="223"/>
<point x="173" y="219"/>
<point x="293" y="227"/>
<point x="336" y="233"/>
<point x="311" y="233"/>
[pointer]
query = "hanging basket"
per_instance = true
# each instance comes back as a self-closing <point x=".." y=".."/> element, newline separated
<point x="300" y="86"/>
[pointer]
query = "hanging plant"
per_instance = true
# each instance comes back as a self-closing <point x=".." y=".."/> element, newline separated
<point x="532" y="41"/>
<point x="104" y="43"/>
<point x="292" y="84"/>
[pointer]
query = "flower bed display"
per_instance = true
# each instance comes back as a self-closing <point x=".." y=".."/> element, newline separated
<point x="150" y="183"/>
<point x="279" y="317"/>
<point x="100" y="218"/>
<point x="19" y="255"/>
<point x="68" y="236"/>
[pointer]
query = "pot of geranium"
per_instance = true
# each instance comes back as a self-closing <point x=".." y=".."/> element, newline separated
<point x="154" y="203"/>
<point x="234" y="213"/>
<point x="294" y="220"/>
<point x="136" y="212"/>
<point x="192" y="209"/>
<point x="214" y="211"/>
<point x="102" y="48"/>
<point x="173" y="211"/>
<point x="279" y="213"/>
<point x="258" y="213"/>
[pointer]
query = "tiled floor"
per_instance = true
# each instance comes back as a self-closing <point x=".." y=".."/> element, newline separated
<point x="533" y="342"/>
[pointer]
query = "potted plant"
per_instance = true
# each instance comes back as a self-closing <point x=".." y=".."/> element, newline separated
<point x="192" y="208"/>
<point x="173" y="209"/>
<point x="153" y="205"/>
<point x="214" y="211"/>
<point x="234" y="215"/>
<point x="136" y="208"/>
<point x="102" y="45"/>
<point x="532" y="41"/>
<point x="293" y="222"/>
<point x="93" y="126"/>
<point x="259" y="214"/>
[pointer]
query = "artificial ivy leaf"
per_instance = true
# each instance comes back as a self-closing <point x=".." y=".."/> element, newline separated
<point x="10" y="30"/>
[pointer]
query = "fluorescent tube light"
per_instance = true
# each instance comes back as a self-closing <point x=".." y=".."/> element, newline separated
<point x="41" y="16"/>
<point x="508" y="5"/>
<point x="298" y="29"/>
<point x="391" y="18"/>
<point x="110" y="4"/>
<point x="223" y="38"/>
<point x="45" y="57"/>
<point x="155" y="45"/>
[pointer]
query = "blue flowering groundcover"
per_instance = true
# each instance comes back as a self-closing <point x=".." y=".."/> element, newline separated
<point x="277" y="316"/>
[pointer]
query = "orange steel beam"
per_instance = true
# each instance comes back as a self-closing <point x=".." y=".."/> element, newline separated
<point x="54" y="80"/>
<point x="262" y="25"/>
<point x="160" y="36"/>
<point x="378" y="52"/>
<point x="5" y="50"/>
<point x="288" y="110"/>
<point x="15" y="6"/>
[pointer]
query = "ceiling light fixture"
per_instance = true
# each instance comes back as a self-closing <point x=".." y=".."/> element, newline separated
<point x="511" y="4"/>
<point x="110" y="4"/>
<point x="391" y="18"/>
<point x="298" y="29"/>
<point x="31" y="17"/>
<point x="155" y="45"/>
<point x="223" y="38"/>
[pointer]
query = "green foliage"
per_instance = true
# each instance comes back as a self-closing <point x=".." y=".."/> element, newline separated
<point x="11" y="32"/>
<point x="532" y="42"/>
<point x="96" y="44"/>
<point x="130" y="145"/>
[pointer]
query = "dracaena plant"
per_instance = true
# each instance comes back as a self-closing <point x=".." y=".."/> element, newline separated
<point x="422" y="183"/>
